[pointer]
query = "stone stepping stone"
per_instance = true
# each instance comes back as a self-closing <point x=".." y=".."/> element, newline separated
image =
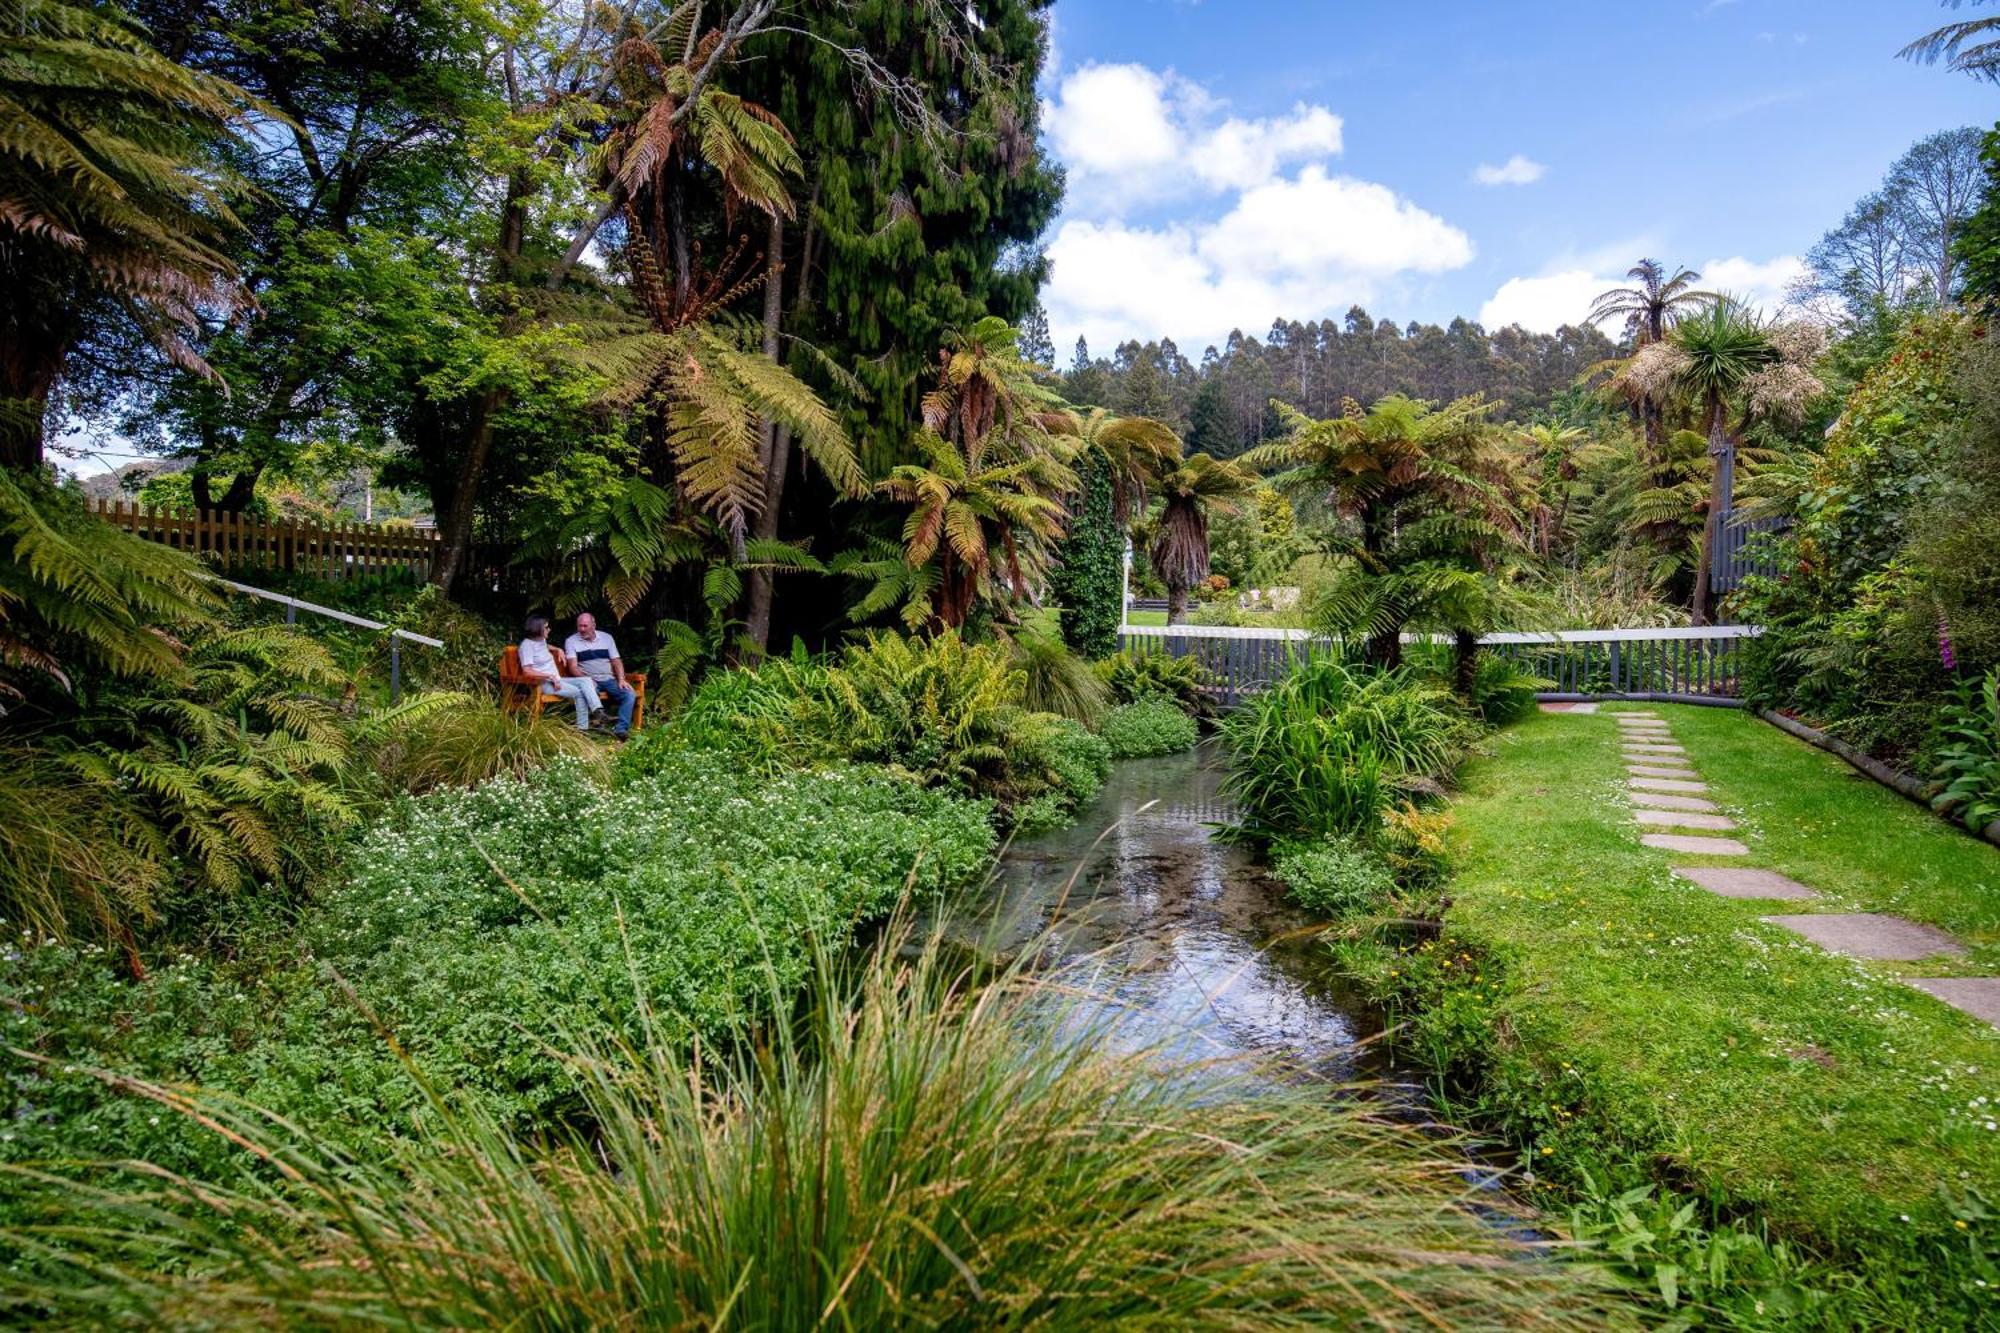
<point x="1695" y="846"/>
<point x="1547" y="707"/>
<point x="1684" y="819"/>
<point x="1633" y="748"/>
<point x="1643" y="729"/>
<point x="1688" y="787"/>
<point x="1870" y="935"/>
<point x="1668" y="801"/>
<point x="1635" y="712"/>
<point x="1978" y="996"/>
<point x="1743" y="882"/>
<point x="1661" y="770"/>
<point x="1627" y="721"/>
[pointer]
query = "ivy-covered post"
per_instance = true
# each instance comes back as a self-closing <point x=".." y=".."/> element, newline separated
<point x="1088" y="580"/>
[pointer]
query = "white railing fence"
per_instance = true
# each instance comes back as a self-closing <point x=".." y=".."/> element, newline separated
<point x="1696" y="664"/>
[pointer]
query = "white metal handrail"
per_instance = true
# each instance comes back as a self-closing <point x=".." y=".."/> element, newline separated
<point x="294" y="605"/>
<point x="1554" y="636"/>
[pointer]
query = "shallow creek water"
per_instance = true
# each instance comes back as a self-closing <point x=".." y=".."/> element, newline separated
<point x="1182" y="945"/>
<point x="1185" y="938"/>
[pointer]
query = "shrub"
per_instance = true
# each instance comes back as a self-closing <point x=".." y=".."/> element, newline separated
<point x="1136" y="676"/>
<point x="1333" y="877"/>
<point x="1326" y="750"/>
<point x="916" y="1151"/>
<point x="479" y="923"/>
<point x="1153" y="726"/>
<point x="1968" y="758"/>
<point x="1413" y="843"/>
<point x="1051" y="754"/>
<point x="1503" y="692"/>
<point x="1056" y="680"/>
<point x="469" y="740"/>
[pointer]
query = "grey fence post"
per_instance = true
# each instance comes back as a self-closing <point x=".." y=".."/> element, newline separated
<point x="395" y="668"/>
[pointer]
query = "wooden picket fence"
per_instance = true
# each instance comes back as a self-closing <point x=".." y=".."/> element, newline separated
<point x="238" y="541"/>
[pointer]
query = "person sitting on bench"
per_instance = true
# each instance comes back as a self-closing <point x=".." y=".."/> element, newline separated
<point x="593" y="653"/>
<point x="539" y="665"/>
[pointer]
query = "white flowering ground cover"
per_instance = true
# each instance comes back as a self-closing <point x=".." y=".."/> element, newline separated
<point x="472" y="931"/>
<point x="1600" y="1009"/>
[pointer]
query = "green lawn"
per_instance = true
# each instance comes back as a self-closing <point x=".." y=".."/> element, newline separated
<point x="1146" y="617"/>
<point x="1744" y="1062"/>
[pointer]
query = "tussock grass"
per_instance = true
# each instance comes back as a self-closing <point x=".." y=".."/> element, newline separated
<point x="924" y="1148"/>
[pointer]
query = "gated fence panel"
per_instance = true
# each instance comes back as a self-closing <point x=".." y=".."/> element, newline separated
<point x="240" y="541"/>
<point x="1688" y="663"/>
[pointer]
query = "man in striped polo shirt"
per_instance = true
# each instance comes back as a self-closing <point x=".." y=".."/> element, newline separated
<point x="594" y="653"/>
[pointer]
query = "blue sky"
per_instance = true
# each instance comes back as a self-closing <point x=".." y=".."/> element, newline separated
<point x="1236" y="160"/>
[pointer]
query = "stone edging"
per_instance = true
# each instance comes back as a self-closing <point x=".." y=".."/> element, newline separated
<point x="1903" y="783"/>
<point x="1703" y="700"/>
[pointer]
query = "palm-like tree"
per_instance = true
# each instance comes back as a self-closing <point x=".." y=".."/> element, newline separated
<point x="1198" y="487"/>
<point x="975" y="512"/>
<point x="1722" y="347"/>
<point x="1135" y="452"/>
<point x="1970" y="47"/>
<point x="988" y="494"/>
<point x="1383" y="470"/>
<point x="107" y="189"/>
<point x="1551" y="455"/>
<point x="1656" y="302"/>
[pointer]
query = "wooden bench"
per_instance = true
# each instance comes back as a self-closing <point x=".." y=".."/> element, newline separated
<point x="518" y="690"/>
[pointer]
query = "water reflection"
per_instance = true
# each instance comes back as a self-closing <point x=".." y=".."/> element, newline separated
<point x="1187" y="943"/>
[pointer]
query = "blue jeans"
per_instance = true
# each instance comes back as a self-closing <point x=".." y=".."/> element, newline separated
<point x="582" y="690"/>
<point x="622" y="697"/>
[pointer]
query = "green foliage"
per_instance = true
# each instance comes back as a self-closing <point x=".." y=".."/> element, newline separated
<point x="1087" y="578"/>
<point x="1978" y="244"/>
<point x="1326" y="750"/>
<point x="917" y="1148"/>
<point x="941" y="711"/>
<point x="1502" y="691"/>
<point x="1135" y="676"/>
<point x="1333" y="877"/>
<point x="1888" y="589"/>
<point x="1968" y="755"/>
<point x="469" y="740"/>
<point x="1153" y="726"/>
<point x="480" y="924"/>
<point x="1056" y="680"/>
<point x="77" y="594"/>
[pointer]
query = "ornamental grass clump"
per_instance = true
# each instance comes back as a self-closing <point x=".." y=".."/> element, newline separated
<point x="921" y="1148"/>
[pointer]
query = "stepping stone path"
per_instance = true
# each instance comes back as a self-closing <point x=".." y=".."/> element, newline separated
<point x="1666" y="792"/>
<point x="1684" y="819"/>
<point x="1743" y="882"/>
<point x="1681" y="842"/>
<point x="1871" y="935"/>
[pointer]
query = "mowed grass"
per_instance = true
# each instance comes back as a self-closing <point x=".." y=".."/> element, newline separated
<point x="1851" y="1109"/>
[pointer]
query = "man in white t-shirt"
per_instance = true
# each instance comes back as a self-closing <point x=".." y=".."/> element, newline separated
<point x="539" y="664"/>
<point x="593" y="653"/>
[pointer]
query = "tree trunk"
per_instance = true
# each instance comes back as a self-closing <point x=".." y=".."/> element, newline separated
<point x="1177" y="603"/>
<point x="28" y="374"/>
<point x="1718" y="458"/>
<point x="1465" y="662"/>
<point x="1385" y="650"/>
<point x="455" y="523"/>
<point x="777" y="447"/>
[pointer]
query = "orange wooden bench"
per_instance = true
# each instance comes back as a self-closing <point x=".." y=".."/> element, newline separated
<point x="518" y="690"/>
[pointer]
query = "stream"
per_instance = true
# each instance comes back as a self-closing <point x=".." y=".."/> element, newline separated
<point x="1184" y="936"/>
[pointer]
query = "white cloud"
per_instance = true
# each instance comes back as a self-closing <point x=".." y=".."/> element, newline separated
<point x="1128" y="133"/>
<point x="1516" y="170"/>
<point x="1548" y="301"/>
<point x="1291" y="238"/>
<point x="1764" y="285"/>
<point x="1296" y="248"/>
